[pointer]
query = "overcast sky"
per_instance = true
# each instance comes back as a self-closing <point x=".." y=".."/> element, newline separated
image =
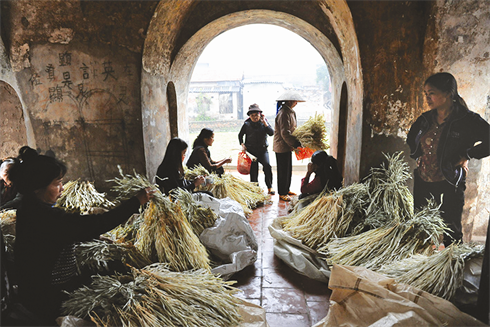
<point x="259" y="49"/>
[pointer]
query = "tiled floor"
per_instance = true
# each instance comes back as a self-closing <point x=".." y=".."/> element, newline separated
<point x="289" y="298"/>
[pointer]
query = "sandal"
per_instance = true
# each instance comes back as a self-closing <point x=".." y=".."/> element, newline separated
<point x="291" y="193"/>
<point x="286" y="198"/>
<point x="271" y="191"/>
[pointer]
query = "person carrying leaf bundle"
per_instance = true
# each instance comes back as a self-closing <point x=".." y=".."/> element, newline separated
<point x="285" y="142"/>
<point x="255" y="129"/>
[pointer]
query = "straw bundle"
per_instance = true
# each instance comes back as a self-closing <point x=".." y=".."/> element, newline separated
<point x="81" y="196"/>
<point x="391" y="199"/>
<point x="397" y="241"/>
<point x="192" y="174"/>
<point x="313" y="133"/>
<point x="440" y="274"/>
<point x="328" y="216"/>
<point x="126" y="232"/>
<point x="164" y="235"/>
<point x="249" y="195"/>
<point x="8" y="220"/>
<point x="96" y="255"/>
<point x="155" y="296"/>
<point x="198" y="216"/>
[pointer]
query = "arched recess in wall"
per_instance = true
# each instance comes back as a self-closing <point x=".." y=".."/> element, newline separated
<point x="157" y="69"/>
<point x="13" y="134"/>
<point x="172" y="110"/>
<point x="342" y="126"/>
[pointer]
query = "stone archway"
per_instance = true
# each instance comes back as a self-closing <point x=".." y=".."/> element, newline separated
<point x="343" y="67"/>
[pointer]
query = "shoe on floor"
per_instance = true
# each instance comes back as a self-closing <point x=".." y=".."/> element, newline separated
<point x="286" y="198"/>
<point x="271" y="191"/>
<point x="291" y="193"/>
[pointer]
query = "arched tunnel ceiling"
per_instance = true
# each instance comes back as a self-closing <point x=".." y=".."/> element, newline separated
<point x="203" y="12"/>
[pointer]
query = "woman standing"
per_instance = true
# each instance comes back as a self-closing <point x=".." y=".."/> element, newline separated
<point x="170" y="173"/>
<point x="256" y="128"/>
<point x="201" y="156"/>
<point x="45" y="262"/>
<point x="442" y="141"/>
<point x="285" y="142"/>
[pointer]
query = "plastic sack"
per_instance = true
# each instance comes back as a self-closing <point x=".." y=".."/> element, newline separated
<point x="244" y="163"/>
<point x="303" y="153"/>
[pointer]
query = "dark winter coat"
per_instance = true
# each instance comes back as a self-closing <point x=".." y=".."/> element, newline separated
<point x="462" y="130"/>
<point x="255" y="136"/>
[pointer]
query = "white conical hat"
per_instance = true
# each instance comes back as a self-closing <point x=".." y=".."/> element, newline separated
<point x="290" y="96"/>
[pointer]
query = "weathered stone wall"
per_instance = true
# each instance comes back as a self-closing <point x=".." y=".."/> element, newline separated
<point x="12" y="122"/>
<point x="463" y="49"/>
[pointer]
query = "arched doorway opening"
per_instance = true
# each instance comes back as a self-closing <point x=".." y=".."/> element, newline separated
<point x="249" y="65"/>
<point x="159" y="67"/>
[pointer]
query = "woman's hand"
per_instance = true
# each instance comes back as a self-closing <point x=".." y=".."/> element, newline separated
<point x="311" y="167"/>
<point x="199" y="180"/>
<point x="144" y="195"/>
<point x="464" y="164"/>
<point x="227" y="160"/>
<point x="244" y="148"/>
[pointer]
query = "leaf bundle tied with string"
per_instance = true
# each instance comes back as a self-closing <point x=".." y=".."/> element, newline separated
<point x="81" y="196"/>
<point x="198" y="216"/>
<point x="156" y="296"/>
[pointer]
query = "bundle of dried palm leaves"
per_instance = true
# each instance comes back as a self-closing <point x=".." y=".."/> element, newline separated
<point x="125" y="232"/>
<point x="391" y="199"/>
<point x="394" y="242"/>
<point x="192" y="174"/>
<point x="164" y="235"/>
<point x="198" y="216"/>
<point x="8" y="219"/>
<point x="440" y="274"/>
<point x="330" y="215"/>
<point x="313" y="133"/>
<point x="81" y="196"/>
<point x="97" y="254"/>
<point x="155" y="296"/>
<point x="249" y="195"/>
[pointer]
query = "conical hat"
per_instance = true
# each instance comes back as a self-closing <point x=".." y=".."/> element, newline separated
<point x="290" y="96"/>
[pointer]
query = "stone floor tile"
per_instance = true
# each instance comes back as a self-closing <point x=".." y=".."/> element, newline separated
<point x="251" y="287"/>
<point x="283" y="300"/>
<point x="287" y="320"/>
<point x="281" y="278"/>
<point x="317" y="311"/>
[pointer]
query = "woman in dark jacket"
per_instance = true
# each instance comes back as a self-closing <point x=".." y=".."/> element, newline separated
<point x="326" y="174"/>
<point x="9" y="197"/>
<point x="255" y="129"/>
<point x="45" y="262"/>
<point x="201" y="156"/>
<point x="170" y="173"/>
<point x="442" y="141"/>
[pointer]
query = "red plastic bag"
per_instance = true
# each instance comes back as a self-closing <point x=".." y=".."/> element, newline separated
<point x="244" y="163"/>
<point x="304" y="153"/>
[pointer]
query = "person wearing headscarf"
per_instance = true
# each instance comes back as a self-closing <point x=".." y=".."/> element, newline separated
<point x="255" y="129"/>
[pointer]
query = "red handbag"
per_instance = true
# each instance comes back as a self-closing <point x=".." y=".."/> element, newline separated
<point x="244" y="163"/>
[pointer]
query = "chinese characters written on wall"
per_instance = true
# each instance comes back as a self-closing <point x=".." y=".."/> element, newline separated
<point x="66" y="79"/>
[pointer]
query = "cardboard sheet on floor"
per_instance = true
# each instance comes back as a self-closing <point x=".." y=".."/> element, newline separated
<point x="298" y="256"/>
<point x="231" y="238"/>
<point x="362" y="297"/>
<point x="252" y="316"/>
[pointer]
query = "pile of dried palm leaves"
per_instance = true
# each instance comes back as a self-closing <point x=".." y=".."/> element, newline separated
<point x="155" y="296"/>
<point x="440" y="274"/>
<point x="96" y="255"/>
<point x="8" y="220"/>
<point x="331" y="215"/>
<point x="164" y="235"/>
<point x="192" y="174"/>
<point x="198" y="216"/>
<point x="81" y="196"/>
<point x="125" y="232"/>
<point x="249" y="195"/>
<point x="313" y="133"/>
<point x="394" y="242"/>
